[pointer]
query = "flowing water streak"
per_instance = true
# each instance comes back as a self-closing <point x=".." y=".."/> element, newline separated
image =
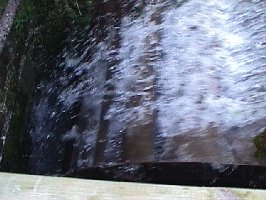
<point x="133" y="110"/>
<point x="183" y="74"/>
<point x="209" y="50"/>
<point x="66" y="119"/>
<point x="212" y="98"/>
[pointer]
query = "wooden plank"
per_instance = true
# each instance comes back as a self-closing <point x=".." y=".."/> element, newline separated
<point x="15" y="186"/>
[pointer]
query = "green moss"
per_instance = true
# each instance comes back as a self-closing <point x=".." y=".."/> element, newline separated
<point x="260" y="143"/>
<point x="25" y="15"/>
<point x="2" y="5"/>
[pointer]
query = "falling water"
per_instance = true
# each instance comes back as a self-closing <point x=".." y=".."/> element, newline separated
<point x="155" y="80"/>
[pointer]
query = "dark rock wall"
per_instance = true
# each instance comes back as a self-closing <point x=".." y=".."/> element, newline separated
<point x="37" y="36"/>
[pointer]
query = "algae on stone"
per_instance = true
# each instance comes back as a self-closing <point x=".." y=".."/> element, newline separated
<point x="260" y="143"/>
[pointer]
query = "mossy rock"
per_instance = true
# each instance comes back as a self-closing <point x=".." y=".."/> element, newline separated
<point x="260" y="143"/>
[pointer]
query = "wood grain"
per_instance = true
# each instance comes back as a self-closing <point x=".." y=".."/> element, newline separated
<point x="15" y="186"/>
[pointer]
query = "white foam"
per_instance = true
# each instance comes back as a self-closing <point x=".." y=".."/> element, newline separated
<point x="200" y="62"/>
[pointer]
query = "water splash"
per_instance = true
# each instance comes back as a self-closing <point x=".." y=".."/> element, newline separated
<point x="167" y="80"/>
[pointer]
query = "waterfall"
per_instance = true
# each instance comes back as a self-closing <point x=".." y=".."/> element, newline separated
<point x="155" y="81"/>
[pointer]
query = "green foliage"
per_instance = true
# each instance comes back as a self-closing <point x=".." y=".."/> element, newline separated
<point x="24" y="16"/>
<point x="260" y="143"/>
<point x="55" y="12"/>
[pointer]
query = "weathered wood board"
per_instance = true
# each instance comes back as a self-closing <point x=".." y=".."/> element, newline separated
<point x="15" y="186"/>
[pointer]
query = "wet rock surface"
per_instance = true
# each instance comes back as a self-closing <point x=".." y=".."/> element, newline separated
<point x="29" y="53"/>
